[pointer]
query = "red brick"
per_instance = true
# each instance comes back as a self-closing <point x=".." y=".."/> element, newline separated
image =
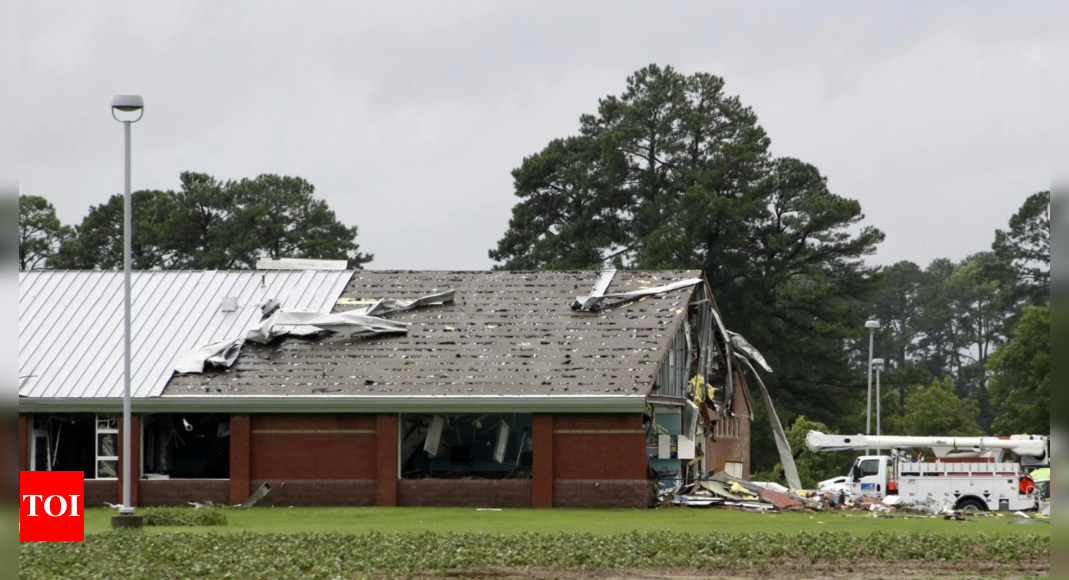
<point x="543" y="461"/>
<point x="601" y="494"/>
<point x="240" y="458"/>
<point x="180" y="492"/>
<point x="728" y="447"/>
<point x="310" y="456"/>
<point x="471" y="493"/>
<point x="97" y="492"/>
<point x="386" y="460"/>
<point x="609" y="456"/>
<point x="319" y="493"/>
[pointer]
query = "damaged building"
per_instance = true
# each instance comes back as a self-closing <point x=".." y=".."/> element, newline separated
<point x="340" y="388"/>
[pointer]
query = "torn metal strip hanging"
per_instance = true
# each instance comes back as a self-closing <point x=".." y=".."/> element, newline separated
<point x="595" y="304"/>
<point x="728" y="356"/>
<point x="743" y="347"/>
<point x="790" y="470"/>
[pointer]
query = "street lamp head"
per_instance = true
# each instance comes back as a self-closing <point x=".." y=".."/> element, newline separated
<point x="877" y="363"/>
<point x="873" y="324"/>
<point x="127" y="104"/>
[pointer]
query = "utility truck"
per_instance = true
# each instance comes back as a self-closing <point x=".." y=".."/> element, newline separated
<point x="980" y="473"/>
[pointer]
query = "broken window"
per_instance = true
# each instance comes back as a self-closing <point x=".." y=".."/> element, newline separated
<point x="75" y="442"/>
<point x="481" y="446"/>
<point x="185" y="446"/>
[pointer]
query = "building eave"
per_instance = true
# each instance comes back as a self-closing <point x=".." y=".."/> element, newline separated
<point x="343" y="404"/>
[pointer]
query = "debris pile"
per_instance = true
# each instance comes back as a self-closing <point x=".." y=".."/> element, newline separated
<point x="719" y="489"/>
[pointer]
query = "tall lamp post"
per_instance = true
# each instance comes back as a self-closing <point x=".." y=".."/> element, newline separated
<point x="877" y="364"/>
<point x="127" y="109"/>
<point x="873" y="326"/>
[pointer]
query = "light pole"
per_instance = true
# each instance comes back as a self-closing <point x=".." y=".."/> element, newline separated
<point x="873" y="326"/>
<point x="127" y="109"/>
<point x="877" y="364"/>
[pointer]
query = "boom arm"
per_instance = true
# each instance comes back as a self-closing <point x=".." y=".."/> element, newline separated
<point x="1023" y="445"/>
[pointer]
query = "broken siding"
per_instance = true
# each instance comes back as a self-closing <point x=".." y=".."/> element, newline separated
<point x="506" y="333"/>
<point x="71" y="323"/>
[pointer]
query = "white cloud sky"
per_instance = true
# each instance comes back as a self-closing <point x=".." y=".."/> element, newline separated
<point x="409" y="116"/>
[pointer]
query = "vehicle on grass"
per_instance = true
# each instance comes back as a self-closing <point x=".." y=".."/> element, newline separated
<point x="965" y="473"/>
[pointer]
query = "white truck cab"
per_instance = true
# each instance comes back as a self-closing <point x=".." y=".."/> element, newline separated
<point x="871" y="476"/>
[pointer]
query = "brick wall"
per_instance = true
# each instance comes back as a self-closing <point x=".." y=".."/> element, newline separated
<point x="731" y="441"/>
<point x="97" y="492"/>
<point x="599" y="461"/>
<point x="179" y="492"/>
<point x="542" y="433"/>
<point x="471" y="493"/>
<point x="327" y="460"/>
<point x="602" y="494"/>
<point x="318" y="493"/>
<point x="387" y="460"/>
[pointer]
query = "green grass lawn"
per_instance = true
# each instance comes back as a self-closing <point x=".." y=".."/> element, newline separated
<point x="599" y="522"/>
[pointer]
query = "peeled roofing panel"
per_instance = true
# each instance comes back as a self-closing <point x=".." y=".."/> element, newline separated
<point x="71" y="323"/>
<point x="507" y="333"/>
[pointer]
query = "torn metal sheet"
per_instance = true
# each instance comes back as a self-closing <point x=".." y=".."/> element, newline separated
<point x="392" y="305"/>
<point x="743" y="347"/>
<point x="790" y="470"/>
<point x="256" y="497"/>
<point x="221" y="354"/>
<point x="690" y="419"/>
<point x="277" y="323"/>
<point x="595" y="304"/>
<point x="600" y="288"/>
<point x="346" y="323"/>
<point x="434" y="436"/>
<point x="502" y="443"/>
<point x="730" y="394"/>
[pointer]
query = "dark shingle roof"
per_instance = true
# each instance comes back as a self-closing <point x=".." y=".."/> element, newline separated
<point x="507" y="333"/>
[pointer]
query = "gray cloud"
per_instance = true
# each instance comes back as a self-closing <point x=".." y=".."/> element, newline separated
<point x="409" y="116"/>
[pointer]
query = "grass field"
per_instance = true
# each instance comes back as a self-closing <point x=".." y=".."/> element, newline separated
<point x="676" y="544"/>
<point x="599" y="522"/>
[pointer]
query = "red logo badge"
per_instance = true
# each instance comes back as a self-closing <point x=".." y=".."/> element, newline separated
<point x="52" y="506"/>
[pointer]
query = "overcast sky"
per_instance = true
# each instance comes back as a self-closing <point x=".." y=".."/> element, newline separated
<point x="409" y="116"/>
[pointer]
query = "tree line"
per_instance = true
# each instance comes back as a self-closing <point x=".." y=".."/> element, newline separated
<point x="675" y="173"/>
<point x="207" y="224"/>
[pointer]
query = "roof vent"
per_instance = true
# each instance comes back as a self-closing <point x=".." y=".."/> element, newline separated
<point x="230" y="304"/>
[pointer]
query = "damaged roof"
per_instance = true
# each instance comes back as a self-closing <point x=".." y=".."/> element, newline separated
<point x="506" y="334"/>
<point x="71" y="330"/>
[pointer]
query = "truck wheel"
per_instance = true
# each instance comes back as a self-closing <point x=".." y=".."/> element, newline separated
<point x="972" y="505"/>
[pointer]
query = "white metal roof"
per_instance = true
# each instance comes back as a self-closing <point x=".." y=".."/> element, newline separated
<point x="70" y="323"/>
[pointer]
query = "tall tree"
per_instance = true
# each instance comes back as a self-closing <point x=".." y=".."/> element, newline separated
<point x="278" y="217"/>
<point x="98" y="243"/>
<point x="40" y="232"/>
<point x="1020" y="385"/>
<point x="674" y="173"/>
<point x="202" y="225"/>
<point x="209" y="224"/>
<point x="1025" y="246"/>
<point x="937" y="411"/>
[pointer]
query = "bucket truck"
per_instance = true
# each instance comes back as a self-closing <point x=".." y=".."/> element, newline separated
<point x="966" y="472"/>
